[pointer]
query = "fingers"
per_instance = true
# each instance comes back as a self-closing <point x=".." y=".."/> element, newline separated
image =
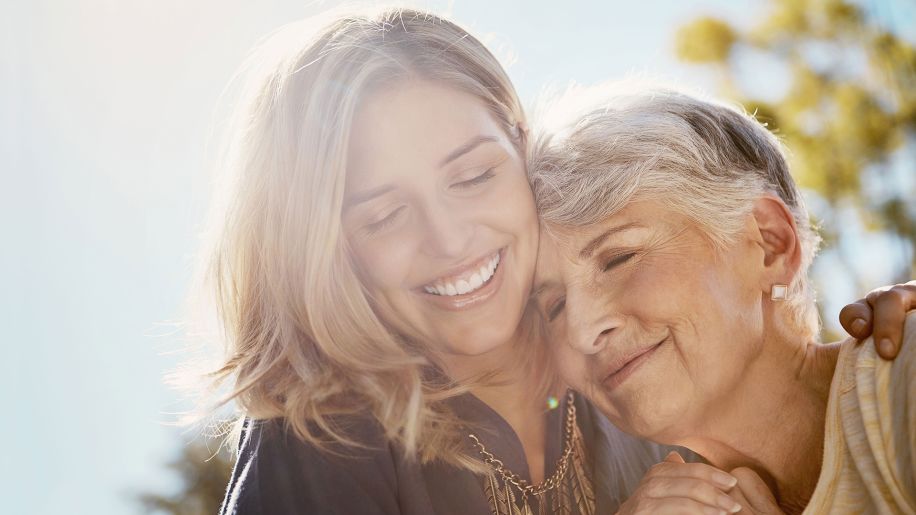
<point x="697" y="490"/>
<point x="856" y="319"/>
<point x="891" y="306"/>
<point x="675" y="506"/>
<point x="674" y="457"/>
<point x="700" y="471"/>
<point x="881" y="314"/>
<point x="740" y="498"/>
<point x="673" y="486"/>
<point x="753" y="493"/>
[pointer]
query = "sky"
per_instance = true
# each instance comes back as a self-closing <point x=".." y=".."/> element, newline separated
<point x="106" y="108"/>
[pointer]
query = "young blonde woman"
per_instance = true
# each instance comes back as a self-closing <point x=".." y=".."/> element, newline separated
<point x="372" y="269"/>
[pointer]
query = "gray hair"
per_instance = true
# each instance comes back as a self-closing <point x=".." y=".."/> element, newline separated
<point x="706" y="160"/>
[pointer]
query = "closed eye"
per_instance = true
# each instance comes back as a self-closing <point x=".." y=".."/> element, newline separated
<point x="375" y="227"/>
<point x="480" y="179"/>
<point x="618" y="260"/>
<point x="556" y="309"/>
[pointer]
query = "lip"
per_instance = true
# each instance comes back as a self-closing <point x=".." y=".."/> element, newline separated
<point x="621" y="369"/>
<point x="459" y="270"/>
<point x="472" y="299"/>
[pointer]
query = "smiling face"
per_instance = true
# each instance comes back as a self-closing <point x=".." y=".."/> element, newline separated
<point x="440" y="218"/>
<point x="648" y="319"/>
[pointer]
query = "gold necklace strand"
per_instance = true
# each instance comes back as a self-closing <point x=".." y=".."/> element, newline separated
<point x="500" y="501"/>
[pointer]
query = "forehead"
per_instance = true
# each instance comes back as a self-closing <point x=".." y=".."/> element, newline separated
<point x="557" y="257"/>
<point x="572" y="241"/>
<point x="414" y="124"/>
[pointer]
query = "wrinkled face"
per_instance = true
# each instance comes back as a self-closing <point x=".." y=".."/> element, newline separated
<point x="647" y="319"/>
<point x="440" y="217"/>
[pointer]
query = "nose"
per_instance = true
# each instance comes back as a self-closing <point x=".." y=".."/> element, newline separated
<point x="591" y="323"/>
<point x="447" y="234"/>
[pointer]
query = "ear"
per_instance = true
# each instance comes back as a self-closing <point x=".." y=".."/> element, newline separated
<point x="778" y="238"/>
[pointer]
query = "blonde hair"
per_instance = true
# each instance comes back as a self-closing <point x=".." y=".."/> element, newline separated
<point x="637" y="141"/>
<point x="303" y="341"/>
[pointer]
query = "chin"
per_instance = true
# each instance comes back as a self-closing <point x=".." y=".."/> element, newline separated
<point x="481" y="339"/>
<point x="650" y="413"/>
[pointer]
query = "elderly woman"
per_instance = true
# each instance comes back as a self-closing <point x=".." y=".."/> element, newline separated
<point x="676" y="270"/>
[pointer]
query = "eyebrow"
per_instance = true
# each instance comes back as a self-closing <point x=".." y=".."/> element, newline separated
<point x="467" y="147"/>
<point x="366" y="196"/>
<point x="589" y="249"/>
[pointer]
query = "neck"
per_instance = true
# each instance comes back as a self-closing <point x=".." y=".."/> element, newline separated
<point x="505" y="379"/>
<point x="773" y="421"/>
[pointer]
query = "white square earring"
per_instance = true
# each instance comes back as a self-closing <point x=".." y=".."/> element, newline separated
<point x="779" y="292"/>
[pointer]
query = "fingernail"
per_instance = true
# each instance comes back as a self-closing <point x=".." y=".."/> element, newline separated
<point x="886" y="347"/>
<point x="728" y="503"/>
<point x="858" y="324"/>
<point x="726" y="480"/>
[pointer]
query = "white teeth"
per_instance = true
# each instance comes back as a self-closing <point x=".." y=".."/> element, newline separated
<point x="468" y="284"/>
<point x="476" y="281"/>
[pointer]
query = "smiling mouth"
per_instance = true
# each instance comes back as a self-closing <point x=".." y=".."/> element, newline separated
<point x="626" y="366"/>
<point x="474" y="277"/>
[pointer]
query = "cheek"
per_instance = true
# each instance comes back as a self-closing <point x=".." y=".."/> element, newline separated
<point x="692" y="295"/>
<point x="510" y="205"/>
<point x="385" y="262"/>
<point x="659" y="399"/>
<point x="525" y="211"/>
<point x="675" y="297"/>
<point x="513" y="213"/>
<point x="659" y="293"/>
<point x="715" y="326"/>
<point x="571" y="364"/>
<point x="385" y="265"/>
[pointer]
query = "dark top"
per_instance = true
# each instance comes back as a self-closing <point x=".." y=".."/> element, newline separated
<point x="278" y="474"/>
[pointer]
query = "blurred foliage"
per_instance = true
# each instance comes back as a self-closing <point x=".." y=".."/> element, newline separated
<point x="705" y="40"/>
<point x="203" y="474"/>
<point x="850" y="106"/>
